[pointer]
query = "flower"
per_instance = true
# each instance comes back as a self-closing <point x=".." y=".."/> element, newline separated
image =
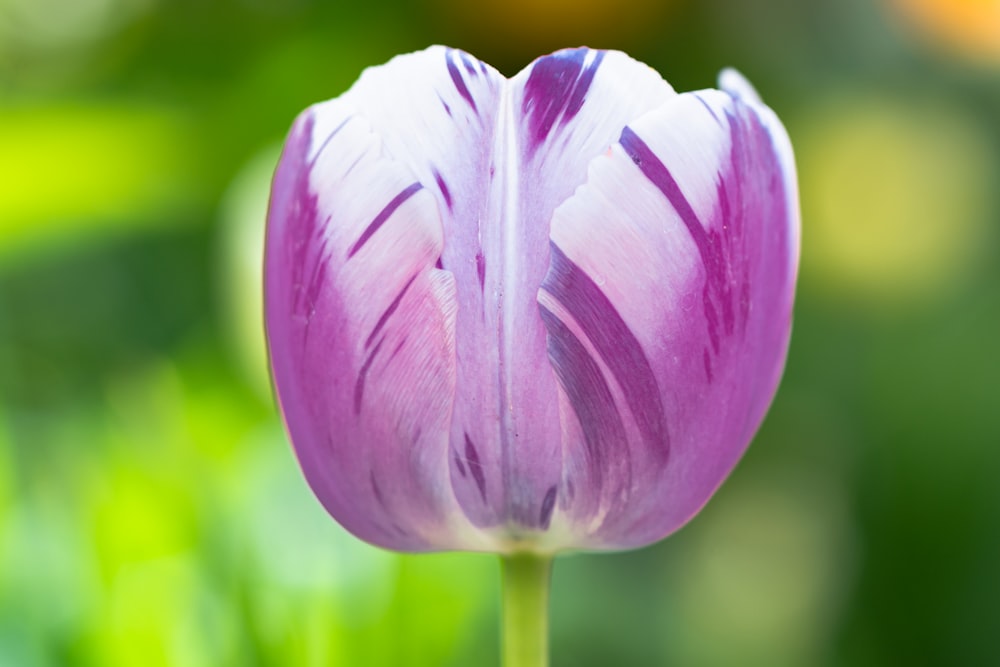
<point x="534" y="314"/>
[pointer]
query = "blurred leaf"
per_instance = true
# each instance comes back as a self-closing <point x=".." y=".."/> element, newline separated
<point x="71" y="171"/>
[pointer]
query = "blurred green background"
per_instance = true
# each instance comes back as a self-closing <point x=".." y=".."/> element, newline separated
<point x="151" y="512"/>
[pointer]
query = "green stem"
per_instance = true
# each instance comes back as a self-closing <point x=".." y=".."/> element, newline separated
<point x="525" y="622"/>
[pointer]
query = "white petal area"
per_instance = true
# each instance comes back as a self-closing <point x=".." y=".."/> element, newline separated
<point x="734" y="83"/>
<point x="435" y="112"/>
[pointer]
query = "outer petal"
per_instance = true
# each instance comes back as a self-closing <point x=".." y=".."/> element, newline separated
<point x="360" y="314"/>
<point x="668" y="308"/>
<point x="564" y="110"/>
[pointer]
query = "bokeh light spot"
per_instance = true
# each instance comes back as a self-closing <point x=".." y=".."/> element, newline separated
<point x="896" y="198"/>
<point x="763" y="573"/>
<point x="970" y="28"/>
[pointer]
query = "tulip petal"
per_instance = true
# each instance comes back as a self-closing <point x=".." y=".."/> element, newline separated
<point x="361" y="313"/>
<point x="673" y="269"/>
<point x="563" y="110"/>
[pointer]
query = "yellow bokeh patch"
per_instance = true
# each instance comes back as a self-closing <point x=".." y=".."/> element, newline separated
<point x="895" y="198"/>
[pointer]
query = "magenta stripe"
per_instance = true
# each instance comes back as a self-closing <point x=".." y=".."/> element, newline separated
<point x="389" y="311"/>
<point x="330" y="136"/>
<point x="588" y="392"/>
<point x="658" y="174"/>
<point x="443" y="187"/>
<point x="475" y="466"/>
<point x="456" y="78"/>
<point x="579" y="94"/>
<point x="359" y="385"/>
<point x="557" y="87"/>
<point x="383" y="215"/>
<point x="614" y="342"/>
<point x="548" y="504"/>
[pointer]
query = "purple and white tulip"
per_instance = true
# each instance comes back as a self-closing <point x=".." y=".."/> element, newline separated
<point x="535" y="314"/>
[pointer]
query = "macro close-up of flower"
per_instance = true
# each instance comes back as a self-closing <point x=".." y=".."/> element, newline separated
<point x="518" y="333"/>
<point x="538" y="314"/>
<point x="528" y="315"/>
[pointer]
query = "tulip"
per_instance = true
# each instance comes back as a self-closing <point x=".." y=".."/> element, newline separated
<point x="531" y="315"/>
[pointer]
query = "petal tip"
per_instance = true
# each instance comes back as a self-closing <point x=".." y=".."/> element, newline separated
<point x="734" y="83"/>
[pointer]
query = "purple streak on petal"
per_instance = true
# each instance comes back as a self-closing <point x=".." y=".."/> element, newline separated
<point x="481" y="270"/>
<point x="314" y="290"/>
<point x="304" y="301"/>
<point x="615" y="342"/>
<point x="548" y="504"/>
<point x="389" y="311"/>
<point x="653" y="169"/>
<point x="329" y="137"/>
<point x="347" y="172"/>
<point x="475" y="466"/>
<point x="447" y="109"/>
<point x="399" y="346"/>
<point x="576" y="100"/>
<point x="456" y="78"/>
<point x="303" y="222"/>
<point x="557" y="86"/>
<point x="735" y="214"/>
<point x="444" y="188"/>
<point x="588" y="393"/>
<point x="359" y="386"/>
<point x="708" y="107"/>
<point x="707" y="359"/>
<point x="711" y="318"/>
<point x="383" y="215"/>
<point x="458" y="463"/>
<point x="470" y="66"/>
